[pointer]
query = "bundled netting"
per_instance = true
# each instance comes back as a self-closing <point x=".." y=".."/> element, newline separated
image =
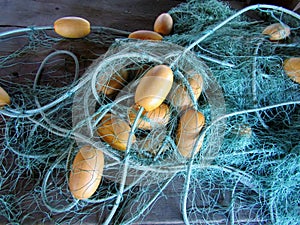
<point x="74" y="114"/>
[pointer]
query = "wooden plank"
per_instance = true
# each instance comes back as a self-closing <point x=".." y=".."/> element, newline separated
<point x="126" y="15"/>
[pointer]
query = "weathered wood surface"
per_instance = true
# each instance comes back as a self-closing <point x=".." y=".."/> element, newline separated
<point x="126" y="15"/>
<point x="121" y="14"/>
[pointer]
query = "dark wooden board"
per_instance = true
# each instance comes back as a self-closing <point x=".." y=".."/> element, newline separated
<point x="127" y="15"/>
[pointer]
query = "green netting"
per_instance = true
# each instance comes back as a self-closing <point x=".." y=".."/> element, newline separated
<point x="247" y="171"/>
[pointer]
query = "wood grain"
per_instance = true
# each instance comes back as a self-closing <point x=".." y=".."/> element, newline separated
<point x="127" y="15"/>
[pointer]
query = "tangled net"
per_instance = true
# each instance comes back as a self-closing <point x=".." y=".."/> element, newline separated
<point x="247" y="171"/>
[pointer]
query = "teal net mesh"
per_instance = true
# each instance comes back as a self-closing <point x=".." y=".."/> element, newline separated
<point x="247" y="170"/>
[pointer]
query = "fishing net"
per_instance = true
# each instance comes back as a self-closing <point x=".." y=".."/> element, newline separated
<point x="247" y="171"/>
